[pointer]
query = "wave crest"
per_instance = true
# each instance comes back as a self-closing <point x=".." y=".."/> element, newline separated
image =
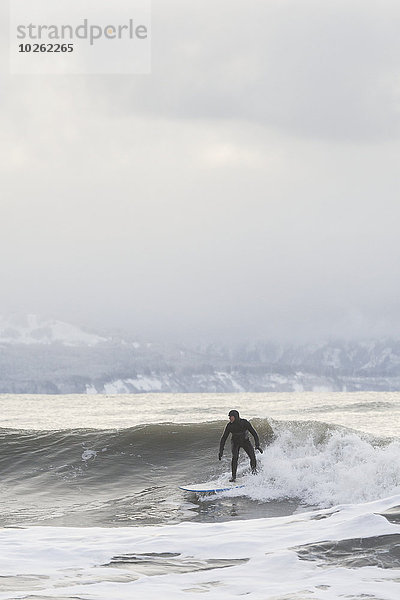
<point x="325" y="465"/>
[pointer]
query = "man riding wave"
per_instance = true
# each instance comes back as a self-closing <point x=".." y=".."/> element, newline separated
<point x="240" y="429"/>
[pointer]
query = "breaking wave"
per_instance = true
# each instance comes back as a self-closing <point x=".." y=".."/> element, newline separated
<point x="324" y="465"/>
<point x="133" y="474"/>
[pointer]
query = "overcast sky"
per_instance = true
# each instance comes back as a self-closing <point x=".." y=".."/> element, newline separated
<point x="247" y="189"/>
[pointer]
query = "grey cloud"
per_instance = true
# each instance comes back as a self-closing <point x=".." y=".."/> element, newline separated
<point x="325" y="70"/>
<point x="247" y="188"/>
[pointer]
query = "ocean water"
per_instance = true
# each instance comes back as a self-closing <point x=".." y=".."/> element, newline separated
<point x="90" y="505"/>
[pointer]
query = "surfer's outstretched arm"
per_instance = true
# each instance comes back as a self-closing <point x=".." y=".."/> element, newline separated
<point x="223" y="440"/>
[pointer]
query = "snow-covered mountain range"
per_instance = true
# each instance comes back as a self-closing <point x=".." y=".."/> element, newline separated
<point x="31" y="329"/>
<point x="49" y="356"/>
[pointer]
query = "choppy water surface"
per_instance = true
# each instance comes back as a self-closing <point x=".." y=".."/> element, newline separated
<point x="327" y="492"/>
<point x="375" y="412"/>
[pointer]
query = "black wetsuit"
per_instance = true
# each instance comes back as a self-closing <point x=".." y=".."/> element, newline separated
<point x="240" y="429"/>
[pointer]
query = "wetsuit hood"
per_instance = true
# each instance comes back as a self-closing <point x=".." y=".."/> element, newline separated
<point x="234" y="413"/>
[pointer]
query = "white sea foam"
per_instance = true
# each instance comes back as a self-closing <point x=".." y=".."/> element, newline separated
<point x="74" y="562"/>
<point x="87" y="454"/>
<point x="342" y="467"/>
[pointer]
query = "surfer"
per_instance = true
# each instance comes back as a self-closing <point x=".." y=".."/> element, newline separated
<point x="240" y="428"/>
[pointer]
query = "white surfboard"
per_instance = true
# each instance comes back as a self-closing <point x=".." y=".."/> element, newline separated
<point x="210" y="487"/>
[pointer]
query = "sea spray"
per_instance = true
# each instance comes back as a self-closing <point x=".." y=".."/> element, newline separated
<point x="323" y="465"/>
